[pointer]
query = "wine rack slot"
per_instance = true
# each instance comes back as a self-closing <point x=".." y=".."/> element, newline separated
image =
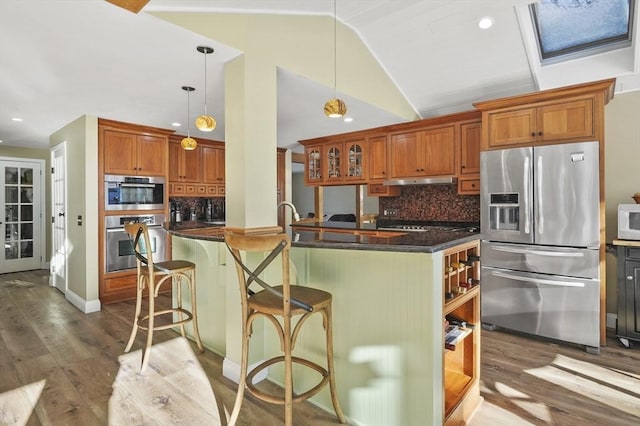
<point x="461" y="334"/>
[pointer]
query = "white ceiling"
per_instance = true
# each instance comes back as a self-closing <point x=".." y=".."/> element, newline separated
<point x="60" y="59"/>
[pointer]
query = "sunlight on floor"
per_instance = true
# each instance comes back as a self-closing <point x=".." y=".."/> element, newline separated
<point x="523" y="401"/>
<point x="591" y="381"/>
<point x="17" y="405"/>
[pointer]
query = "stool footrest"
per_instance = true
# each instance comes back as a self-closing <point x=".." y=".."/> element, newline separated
<point x="296" y="397"/>
<point x="188" y="318"/>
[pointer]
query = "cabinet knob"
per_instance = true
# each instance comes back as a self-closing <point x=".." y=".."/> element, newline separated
<point x="629" y="277"/>
<point x="533" y="133"/>
<point x="539" y="133"/>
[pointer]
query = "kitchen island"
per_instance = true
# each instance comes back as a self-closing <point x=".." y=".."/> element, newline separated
<point x="388" y="307"/>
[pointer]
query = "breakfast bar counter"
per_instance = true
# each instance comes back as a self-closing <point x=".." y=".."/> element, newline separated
<point x="387" y="309"/>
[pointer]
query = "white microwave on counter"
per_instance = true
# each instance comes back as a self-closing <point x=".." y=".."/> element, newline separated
<point x="629" y="221"/>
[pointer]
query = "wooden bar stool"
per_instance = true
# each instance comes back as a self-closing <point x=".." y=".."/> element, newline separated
<point x="279" y="304"/>
<point x="152" y="275"/>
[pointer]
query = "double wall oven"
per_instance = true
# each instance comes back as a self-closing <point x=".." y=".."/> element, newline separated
<point x="119" y="253"/>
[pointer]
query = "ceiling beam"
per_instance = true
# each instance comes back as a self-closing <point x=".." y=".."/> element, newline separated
<point x="134" y="6"/>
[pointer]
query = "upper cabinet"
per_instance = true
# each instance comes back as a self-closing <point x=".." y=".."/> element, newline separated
<point x="429" y="152"/>
<point x="468" y="170"/>
<point x="127" y="153"/>
<point x="566" y="114"/>
<point x="442" y="146"/>
<point x="184" y="166"/>
<point x="336" y="162"/>
<point x="213" y="171"/>
<point x="551" y="122"/>
<point x="356" y="160"/>
<point x="131" y="149"/>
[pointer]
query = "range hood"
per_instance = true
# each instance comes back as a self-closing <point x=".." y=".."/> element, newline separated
<point x="422" y="181"/>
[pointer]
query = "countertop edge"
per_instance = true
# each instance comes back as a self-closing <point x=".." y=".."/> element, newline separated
<point x="200" y="234"/>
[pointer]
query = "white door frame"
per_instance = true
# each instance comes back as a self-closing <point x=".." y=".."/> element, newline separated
<point x="43" y="197"/>
<point x="59" y="252"/>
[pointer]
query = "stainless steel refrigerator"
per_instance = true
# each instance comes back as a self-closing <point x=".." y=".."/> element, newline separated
<point x="540" y="224"/>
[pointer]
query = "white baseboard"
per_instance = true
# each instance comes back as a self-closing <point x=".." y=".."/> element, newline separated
<point x="231" y="370"/>
<point x="86" y="306"/>
<point x="612" y="320"/>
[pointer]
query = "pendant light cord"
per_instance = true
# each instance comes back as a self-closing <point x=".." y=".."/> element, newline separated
<point x="188" y="114"/>
<point x="335" y="48"/>
<point x="205" y="82"/>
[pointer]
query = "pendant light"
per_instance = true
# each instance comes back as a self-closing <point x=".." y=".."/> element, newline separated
<point x="205" y="123"/>
<point x="335" y="107"/>
<point x="188" y="143"/>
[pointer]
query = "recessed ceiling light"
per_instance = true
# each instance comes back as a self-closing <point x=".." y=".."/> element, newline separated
<point x="485" y="22"/>
<point x="176" y="124"/>
<point x="16" y="119"/>
<point x="348" y="119"/>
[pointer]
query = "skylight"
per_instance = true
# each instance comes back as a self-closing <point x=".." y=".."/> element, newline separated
<point x="569" y="29"/>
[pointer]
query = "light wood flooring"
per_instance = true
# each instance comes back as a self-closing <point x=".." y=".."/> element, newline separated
<point x="49" y="348"/>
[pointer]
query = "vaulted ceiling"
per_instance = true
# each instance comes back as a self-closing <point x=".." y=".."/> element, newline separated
<point x="60" y="59"/>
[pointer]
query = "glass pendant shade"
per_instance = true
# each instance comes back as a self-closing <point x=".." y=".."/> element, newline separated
<point x="189" y="143"/>
<point x="335" y="108"/>
<point x="205" y="122"/>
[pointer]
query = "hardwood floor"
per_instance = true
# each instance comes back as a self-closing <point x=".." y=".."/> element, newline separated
<point x="47" y="344"/>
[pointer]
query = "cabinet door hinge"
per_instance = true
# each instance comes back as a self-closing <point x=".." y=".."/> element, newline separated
<point x="52" y="170"/>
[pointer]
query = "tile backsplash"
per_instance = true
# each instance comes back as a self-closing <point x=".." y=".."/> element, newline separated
<point x="432" y="202"/>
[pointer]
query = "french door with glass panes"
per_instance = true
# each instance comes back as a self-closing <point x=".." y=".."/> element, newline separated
<point x="22" y="222"/>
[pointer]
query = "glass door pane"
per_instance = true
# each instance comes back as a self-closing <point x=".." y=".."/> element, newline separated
<point x="19" y="212"/>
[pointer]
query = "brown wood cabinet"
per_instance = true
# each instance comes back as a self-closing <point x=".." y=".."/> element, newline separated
<point x="553" y="122"/>
<point x="462" y="353"/>
<point x="377" y="158"/>
<point x="197" y="173"/>
<point x="213" y="170"/>
<point x="184" y="166"/>
<point x="566" y="114"/>
<point x="126" y="149"/>
<point x="355" y="170"/>
<point x="469" y="165"/>
<point x="127" y="153"/>
<point x="429" y="147"/>
<point x="562" y="115"/>
<point x="429" y="152"/>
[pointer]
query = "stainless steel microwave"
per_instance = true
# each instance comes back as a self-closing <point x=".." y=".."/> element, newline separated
<point x="629" y="221"/>
<point x="133" y="192"/>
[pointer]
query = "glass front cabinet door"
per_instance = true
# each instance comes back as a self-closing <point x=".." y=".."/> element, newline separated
<point x="314" y="167"/>
<point x="333" y="162"/>
<point x="356" y="157"/>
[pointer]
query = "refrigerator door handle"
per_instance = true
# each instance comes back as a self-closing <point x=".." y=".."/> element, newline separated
<point x="527" y="174"/>
<point x="537" y="252"/>
<point x="540" y="198"/>
<point x="537" y="280"/>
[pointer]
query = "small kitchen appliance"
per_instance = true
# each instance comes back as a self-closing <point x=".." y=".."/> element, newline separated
<point x="629" y="221"/>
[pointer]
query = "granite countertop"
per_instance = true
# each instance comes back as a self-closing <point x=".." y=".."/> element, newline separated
<point x="320" y="235"/>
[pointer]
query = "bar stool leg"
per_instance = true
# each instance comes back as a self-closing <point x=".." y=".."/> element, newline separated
<point x="178" y="282"/>
<point x="243" y="375"/>
<point x="136" y="317"/>
<point x="191" y="279"/>
<point x="152" y="316"/>
<point x="332" y="380"/>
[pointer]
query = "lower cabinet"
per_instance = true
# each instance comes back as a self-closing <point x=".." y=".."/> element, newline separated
<point x="628" y="326"/>
<point x="462" y="332"/>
